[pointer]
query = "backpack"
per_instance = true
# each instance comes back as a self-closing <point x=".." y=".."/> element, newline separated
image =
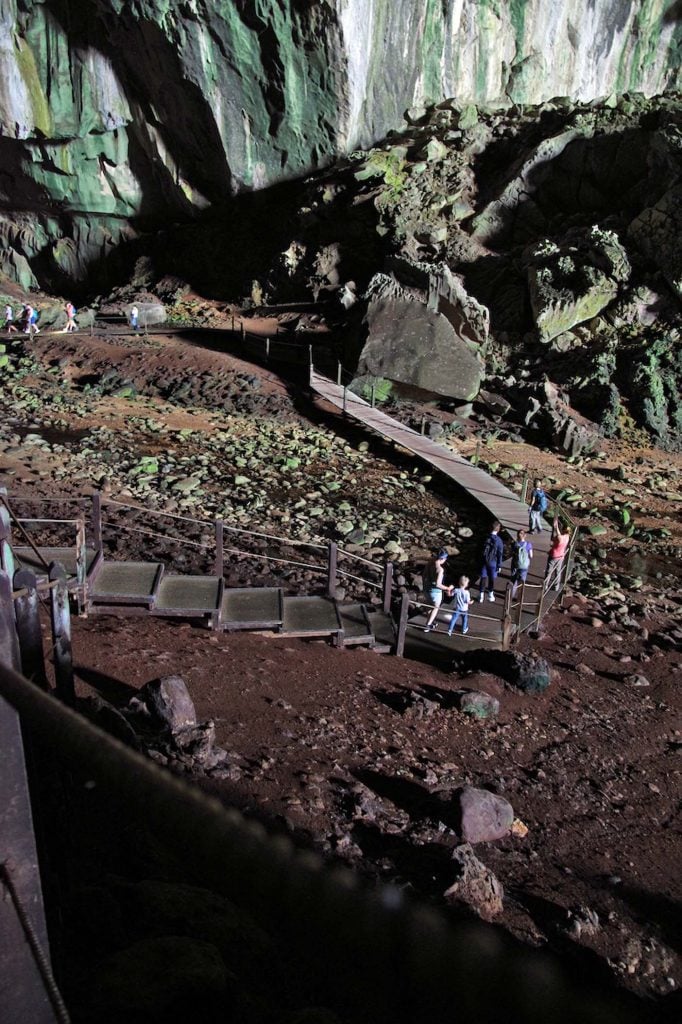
<point x="543" y="502"/>
<point x="490" y="550"/>
<point x="522" y="556"/>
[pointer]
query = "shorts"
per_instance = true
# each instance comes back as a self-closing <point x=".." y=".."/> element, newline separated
<point x="436" y="596"/>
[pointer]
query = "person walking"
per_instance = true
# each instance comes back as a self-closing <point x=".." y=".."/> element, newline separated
<point x="539" y="503"/>
<point x="522" y="553"/>
<point x="434" y="586"/>
<point x="32" y="314"/>
<point x="462" y="602"/>
<point x="70" y="311"/>
<point x="491" y="559"/>
<point x="9" y="320"/>
<point x="560" y="538"/>
<point x="134" y="317"/>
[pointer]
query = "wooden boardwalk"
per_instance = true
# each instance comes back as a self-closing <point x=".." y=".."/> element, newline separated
<point x="498" y="500"/>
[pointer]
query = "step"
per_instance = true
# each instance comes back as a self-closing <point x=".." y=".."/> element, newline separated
<point x="132" y="583"/>
<point x="26" y="558"/>
<point x="188" y="595"/>
<point x="310" y="616"/>
<point x="355" y="624"/>
<point x="383" y="630"/>
<point x="251" y="608"/>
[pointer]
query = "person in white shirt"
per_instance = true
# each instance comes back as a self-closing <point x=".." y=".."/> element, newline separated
<point x="9" y="320"/>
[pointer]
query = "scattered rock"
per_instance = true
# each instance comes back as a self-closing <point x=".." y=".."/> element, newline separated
<point x="479" y="704"/>
<point x="483" y="816"/>
<point x="476" y="885"/>
<point x="169" y="701"/>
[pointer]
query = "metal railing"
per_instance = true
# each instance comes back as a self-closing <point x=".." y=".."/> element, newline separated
<point x="394" y="959"/>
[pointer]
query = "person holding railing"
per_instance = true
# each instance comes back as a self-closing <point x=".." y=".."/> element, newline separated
<point x="434" y="585"/>
<point x="560" y="539"/>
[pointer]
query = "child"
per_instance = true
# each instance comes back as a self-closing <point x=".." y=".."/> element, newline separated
<point x="522" y="552"/>
<point x="539" y="504"/>
<point x="9" y="320"/>
<point x="434" y="586"/>
<point x="462" y="601"/>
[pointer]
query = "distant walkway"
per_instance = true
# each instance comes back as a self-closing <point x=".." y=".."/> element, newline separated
<point x="497" y="499"/>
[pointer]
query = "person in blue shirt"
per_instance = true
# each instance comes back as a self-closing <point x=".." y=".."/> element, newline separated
<point x="539" y="504"/>
<point x="491" y="559"/>
<point x="522" y="553"/>
<point x="462" y="601"/>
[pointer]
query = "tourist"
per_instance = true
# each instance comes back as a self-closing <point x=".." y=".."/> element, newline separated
<point x="539" y="503"/>
<point x="9" y="320"/>
<point x="134" y="316"/>
<point x="522" y="553"/>
<point x="70" y="311"/>
<point x="434" y="586"/>
<point x="491" y="559"/>
<point x="462" y="603"/>
<point x="31" y="320"/>
<point x="560" y="539"/>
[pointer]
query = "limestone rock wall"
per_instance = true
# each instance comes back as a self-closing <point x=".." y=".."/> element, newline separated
<point x="122" y="113"/>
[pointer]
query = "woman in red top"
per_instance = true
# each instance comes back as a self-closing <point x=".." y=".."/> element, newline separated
<point x="560" y="538"/>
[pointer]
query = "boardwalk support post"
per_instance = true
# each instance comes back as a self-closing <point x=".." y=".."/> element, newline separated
<point x="267" y="349"/>
<point x="332" y="559"/>
<point x="345" y="399"/>
<point x="242" y="331"/>
<point x="402" y="625"/>
<point x="373" y="401"/>
<point x="97" y="521"/>
<point x="81" y="566"/>
<point x="339" y="369"/>
<point x="27" y="611"/>
<point x="60" y="619"/>
<point x="506" y="619"/>
<point x="218" y="567"/>
<point x="387" y="587"/>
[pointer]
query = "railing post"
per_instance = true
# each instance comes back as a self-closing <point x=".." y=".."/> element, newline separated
<point x="27" y="611"/>
<point x="422" y="425"/>
<point x="477" y="454"/>
<point x="524" y="488"/>
<point x="519" y="617"/>
<point x="97" y="520"/>
<point x="339" y="369"/>
<point x="345" y="399"/>
<point x="506" y="619"/>
<point x="332" y="559"/>
<point x="81" y="565"/>
<point x="267" y="349"/>
<point x="242" y="331"/>
<point x="373" y="401"/>
<point x="388" y="587"/>
<point x="60" y="619"/>
<point x="9" y="642"/>
<point x="402" y="625"/>
<point x="218" y="568"/>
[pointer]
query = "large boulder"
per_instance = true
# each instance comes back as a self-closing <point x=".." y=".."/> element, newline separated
<point x="657" y="231"/>
<point x="572" y="283"/>
<point x="412" y="345"/>
<point x="168" y="701"/>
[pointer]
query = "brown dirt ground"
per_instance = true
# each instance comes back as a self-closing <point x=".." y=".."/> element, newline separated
<point x="591" y="766"/>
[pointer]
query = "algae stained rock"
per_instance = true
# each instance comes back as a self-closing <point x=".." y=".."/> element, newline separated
<point x="414" y="346"/>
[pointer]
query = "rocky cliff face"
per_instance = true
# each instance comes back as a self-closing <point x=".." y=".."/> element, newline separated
<point x="118" y="114"/>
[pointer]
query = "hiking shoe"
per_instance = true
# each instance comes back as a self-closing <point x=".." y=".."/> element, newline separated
<point x="491" y="596"/>
<point x="449" y="632"/>
<point x="465" y="631"/>
<point x="428" y="629"/>
<point x="481" y="596"/>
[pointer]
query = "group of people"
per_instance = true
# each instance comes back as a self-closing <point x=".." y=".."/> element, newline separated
<point x="27" y="320"/>
<point x="492" y="557"/>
